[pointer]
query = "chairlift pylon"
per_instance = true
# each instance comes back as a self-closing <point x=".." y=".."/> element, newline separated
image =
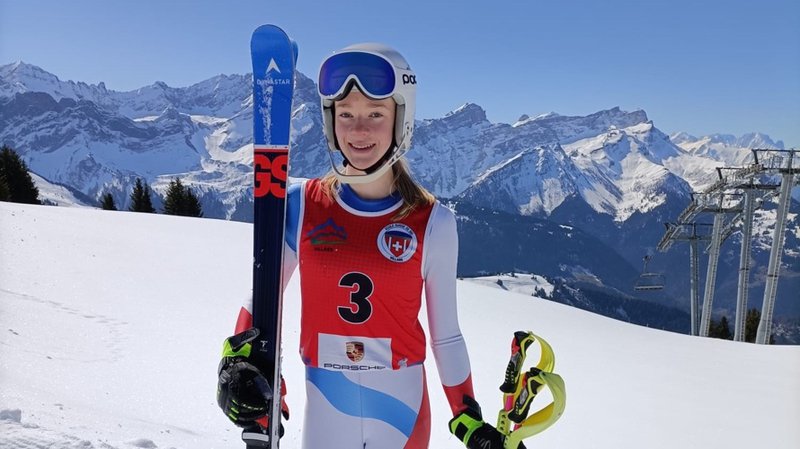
<point x="649" y="281"/>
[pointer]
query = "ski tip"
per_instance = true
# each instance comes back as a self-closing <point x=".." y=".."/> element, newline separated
<point x="269" y="30"/>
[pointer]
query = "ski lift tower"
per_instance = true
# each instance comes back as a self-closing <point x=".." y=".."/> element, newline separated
<point x="716" y="201"/>
<point x="743" y="179"/>
<point x="782" y="162"/>
<point x="687" y="232"/>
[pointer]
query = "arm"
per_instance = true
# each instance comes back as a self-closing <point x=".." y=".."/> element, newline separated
<point x="447" y="343"/>
<point x="449" y="349"/>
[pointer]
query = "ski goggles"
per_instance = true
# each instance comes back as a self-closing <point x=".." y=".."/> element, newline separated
<point x="376" y="76"/>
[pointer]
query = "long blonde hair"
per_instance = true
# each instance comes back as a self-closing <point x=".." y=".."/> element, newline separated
<point x="412" y="193"/>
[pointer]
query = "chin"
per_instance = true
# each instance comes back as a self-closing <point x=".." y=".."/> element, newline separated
<point x="359" y="162"/>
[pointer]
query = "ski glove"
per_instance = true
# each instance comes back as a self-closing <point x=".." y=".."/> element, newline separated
<point x="469" y="427"/>
<point x="243" y="393"/>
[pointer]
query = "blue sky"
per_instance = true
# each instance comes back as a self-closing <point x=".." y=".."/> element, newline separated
<point x="724" y="66"/>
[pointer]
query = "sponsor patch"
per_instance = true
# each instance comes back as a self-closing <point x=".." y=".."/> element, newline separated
<point x="328" y="233"/>
<point x="354" y="353"/>
<point x="354" y="350"/>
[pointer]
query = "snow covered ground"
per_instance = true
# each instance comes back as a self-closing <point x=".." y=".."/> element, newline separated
<point x="522" y="283"/>
<point x="111" y="325"/>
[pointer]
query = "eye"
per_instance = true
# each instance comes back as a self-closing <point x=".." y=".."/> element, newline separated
<point x="345" y="115"/>
<point x="376" y="114"/>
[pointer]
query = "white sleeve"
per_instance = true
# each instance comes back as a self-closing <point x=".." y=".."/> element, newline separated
<point x="289" y="264"/>
<point x="439" y="271"/>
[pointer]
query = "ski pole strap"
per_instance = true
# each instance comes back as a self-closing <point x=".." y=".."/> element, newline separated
<point x="240" y="344"/>
<point x="547" y="360"/>
<point x="531" y="384"/>
<point x="545" y="417"/>
<point x="519" y="348"/>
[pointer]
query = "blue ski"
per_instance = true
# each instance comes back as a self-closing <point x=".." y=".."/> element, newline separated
<point x="273" y="55"/>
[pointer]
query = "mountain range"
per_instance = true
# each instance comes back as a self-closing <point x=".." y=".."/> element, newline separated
<point x="600" y="186"/>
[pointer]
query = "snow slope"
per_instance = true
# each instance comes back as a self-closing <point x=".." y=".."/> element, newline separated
<point x="111" y="325"/>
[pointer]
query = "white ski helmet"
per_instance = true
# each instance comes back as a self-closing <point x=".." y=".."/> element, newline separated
<point x="379" y="72"/>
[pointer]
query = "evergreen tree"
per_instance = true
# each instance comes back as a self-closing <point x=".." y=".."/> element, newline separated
<point x="5" y="193"/>
<point x="17" y="184"/>
<point x="140" y="198"/>
<point x="180" y="200"/>
<point x="720" y="329"/>
<point x="751" y="322"/>
<point x="107" y="202"/>
<point x="192" y="207"/>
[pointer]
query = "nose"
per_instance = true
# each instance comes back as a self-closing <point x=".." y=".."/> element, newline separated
<point x="360" y="125"/>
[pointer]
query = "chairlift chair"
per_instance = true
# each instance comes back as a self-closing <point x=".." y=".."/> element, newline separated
<point x="649" y="281"/>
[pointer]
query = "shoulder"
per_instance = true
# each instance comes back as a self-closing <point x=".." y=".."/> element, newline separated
<point x="442" y="222"/>
<point x="295" y="191"/>
<point x="295" y="188"/>
<point x="441" y="244"/>
<point x="442" y="215"/>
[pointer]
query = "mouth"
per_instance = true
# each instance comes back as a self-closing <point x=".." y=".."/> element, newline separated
<point x="363" y="147"/>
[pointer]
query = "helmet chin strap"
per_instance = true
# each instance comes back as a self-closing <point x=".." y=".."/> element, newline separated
<point x="372" y="168"/>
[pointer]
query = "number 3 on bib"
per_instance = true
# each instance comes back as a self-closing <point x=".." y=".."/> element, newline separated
<point x="360" y="309"/>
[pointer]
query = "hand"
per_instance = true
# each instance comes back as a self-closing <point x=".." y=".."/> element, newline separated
<point x="243" y="393"/>
<point x="469" y="427"/>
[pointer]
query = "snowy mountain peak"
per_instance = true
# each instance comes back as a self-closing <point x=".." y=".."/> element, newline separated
<point x="466" y="108"/>
<point x="748" y="140"/>
<point x="536" y="180"/>
<point x="719" y="150"/>
<point x="682" y="137"/>
<point x="550" y="114"/>
<point x="525" y="118"/>
<point x="21" y="77"/>
<point x="21" y="69"/>
<point x="619" y="118"/>
<point x="758" y="140"/>
<point x="468" y="114"/>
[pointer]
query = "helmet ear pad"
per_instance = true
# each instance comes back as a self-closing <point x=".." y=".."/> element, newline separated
<point x="399" y="124"/>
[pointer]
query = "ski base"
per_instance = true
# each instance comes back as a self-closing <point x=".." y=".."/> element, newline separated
<point x="254" y="437"/>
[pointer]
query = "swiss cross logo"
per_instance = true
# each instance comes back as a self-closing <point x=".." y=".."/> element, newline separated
<point x="397" y="242"/>
<point x="270" y="166"/>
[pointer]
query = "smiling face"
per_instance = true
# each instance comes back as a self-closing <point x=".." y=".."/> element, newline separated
<point x="364" y="129"/>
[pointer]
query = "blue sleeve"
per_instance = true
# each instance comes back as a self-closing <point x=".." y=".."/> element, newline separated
<point x="293" y="196"/>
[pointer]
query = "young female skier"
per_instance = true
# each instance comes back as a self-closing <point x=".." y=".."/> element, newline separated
<point x="368" y="240"/>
